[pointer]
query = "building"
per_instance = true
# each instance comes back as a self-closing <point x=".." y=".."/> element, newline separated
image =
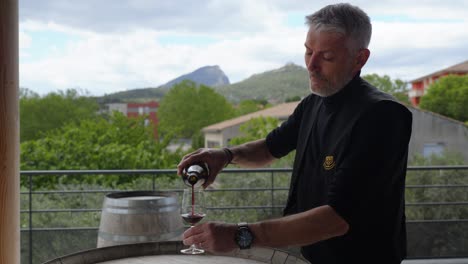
<point x="431" y="133"/>
<point x="149" y="109"/>
<point x="219" y="135"/>
<point x="435" y="134"/>
<point x="419" y="86"/>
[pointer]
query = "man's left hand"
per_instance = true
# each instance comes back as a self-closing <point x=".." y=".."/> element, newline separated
<point x="212" y="237"/>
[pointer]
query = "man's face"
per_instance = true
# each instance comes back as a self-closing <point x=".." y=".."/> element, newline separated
<point x="328" y="61"/>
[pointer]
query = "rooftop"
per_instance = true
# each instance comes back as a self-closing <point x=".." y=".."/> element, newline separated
<point x="457" y="68"/>
<point x="281" y="111"/>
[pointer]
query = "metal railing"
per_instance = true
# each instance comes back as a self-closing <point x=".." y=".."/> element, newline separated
<point x="274" y="183"/>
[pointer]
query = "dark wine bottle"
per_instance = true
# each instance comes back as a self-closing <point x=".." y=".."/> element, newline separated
<point x="195" y="174"/>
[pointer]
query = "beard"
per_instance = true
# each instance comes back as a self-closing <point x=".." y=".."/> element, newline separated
<point x="324" y="87"/>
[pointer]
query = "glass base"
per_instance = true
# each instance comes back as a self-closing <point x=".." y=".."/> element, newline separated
<point x="192" y="250"/>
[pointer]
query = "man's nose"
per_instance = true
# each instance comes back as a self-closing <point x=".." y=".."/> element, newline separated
<point x="313" y="62"/>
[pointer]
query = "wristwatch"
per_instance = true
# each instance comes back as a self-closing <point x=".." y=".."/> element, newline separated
<point x="244" y="236"/>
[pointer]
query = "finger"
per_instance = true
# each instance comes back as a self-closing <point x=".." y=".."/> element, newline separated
<point x="184" y="161"/>
<point x="204" y="245"/>
<point x="193" y="231"/>
<point x="211" y="178"/>
<point x="195" y="239"/>
<point x="187" y="159"/>
<point x="207" y="183"/>
<point x="183" y="164"/>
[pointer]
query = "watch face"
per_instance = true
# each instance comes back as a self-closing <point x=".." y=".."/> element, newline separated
<point x="244" y="238"/>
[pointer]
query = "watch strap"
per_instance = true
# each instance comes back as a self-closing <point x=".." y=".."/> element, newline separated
<point x="242" y="229"/>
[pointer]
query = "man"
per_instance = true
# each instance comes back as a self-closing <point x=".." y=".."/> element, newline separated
<point x="346" y="198"/>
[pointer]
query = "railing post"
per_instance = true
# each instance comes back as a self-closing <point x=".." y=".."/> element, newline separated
<point x="30" y="231"/>
<point x="9" y="134"/>
<point x="272" y="193"/>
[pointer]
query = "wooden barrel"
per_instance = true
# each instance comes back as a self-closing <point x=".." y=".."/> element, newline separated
<point x="140" y="216"/>
<point x="169" y="252"/>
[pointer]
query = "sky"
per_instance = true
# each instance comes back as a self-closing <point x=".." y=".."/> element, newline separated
<point x="107" y="46"/>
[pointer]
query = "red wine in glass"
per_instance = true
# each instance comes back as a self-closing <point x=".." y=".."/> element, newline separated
<point x="192" y="212"/>
<point x="192" y="219"/>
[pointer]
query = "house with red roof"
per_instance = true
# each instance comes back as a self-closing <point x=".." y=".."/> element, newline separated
<point x="419" y="85"/>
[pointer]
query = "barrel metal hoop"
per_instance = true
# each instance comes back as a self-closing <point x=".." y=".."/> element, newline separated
<point x="139" y="238"/>
<point x="141" y="210"/>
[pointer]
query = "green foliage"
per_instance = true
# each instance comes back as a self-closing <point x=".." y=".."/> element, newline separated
<point x="198" y="140"/>
<point x="38" y="115"/>
<point x="250" y="106"/>
<point x="255" y="128"/>
<point x="436" y="238"/>
<point x="258" y="128"/>
<point x="187" y="108"/>
<point x="447" y="158"/>
<point x="100" y="144"/>
<point x="397" y="88"/>
<point x="448" y="96"/>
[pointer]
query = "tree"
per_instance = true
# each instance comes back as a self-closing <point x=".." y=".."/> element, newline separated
<point x="187" y="108"/>
<point x="397" y="88"/>
<point x="251" y="105"/>
<point x="98" y="144"/>
<point x="38" y="115"/>
<point x="255" y="128"/>
<point x="258" y="128"/>
<point x="448" y="96"/>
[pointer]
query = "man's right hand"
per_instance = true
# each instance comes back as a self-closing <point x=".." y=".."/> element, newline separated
<point x="216" y="159"/>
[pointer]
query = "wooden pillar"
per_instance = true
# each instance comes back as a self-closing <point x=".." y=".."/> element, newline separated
<point x="9" y="134"/>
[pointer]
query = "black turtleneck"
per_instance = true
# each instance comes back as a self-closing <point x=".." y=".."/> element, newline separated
<point x="330" y="106"/>
<point x="351" y="152"/>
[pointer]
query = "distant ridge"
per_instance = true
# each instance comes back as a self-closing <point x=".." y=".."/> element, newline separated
<point x="275" y="86"/>
<point x="211" y="76"/>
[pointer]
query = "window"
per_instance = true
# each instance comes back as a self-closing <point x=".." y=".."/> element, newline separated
<point x="212" y="144"/>
<point x="430" y="149"/>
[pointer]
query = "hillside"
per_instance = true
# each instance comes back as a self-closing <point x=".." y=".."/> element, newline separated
<point x="275" y="86"/>
<point x="135" y="95"/>
<point x="211" y="76"/>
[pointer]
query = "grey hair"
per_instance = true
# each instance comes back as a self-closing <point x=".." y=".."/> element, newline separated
<point x="345" y="19"/>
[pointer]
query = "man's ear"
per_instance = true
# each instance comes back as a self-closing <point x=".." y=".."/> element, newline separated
<point x="361" y="58"/>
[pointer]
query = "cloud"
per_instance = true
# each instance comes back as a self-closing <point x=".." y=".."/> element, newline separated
<point x="410" y="50"/>
<point x="107" y="46"/>
<point x="126" y="15"/>
<point x="103" y="63"/>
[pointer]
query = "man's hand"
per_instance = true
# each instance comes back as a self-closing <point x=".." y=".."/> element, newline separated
<point x="215" y="158"/>
<point x="214" y="237"/>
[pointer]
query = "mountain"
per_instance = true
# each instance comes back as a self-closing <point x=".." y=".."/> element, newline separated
<point x="274" y="86"/>
<point x="135" y="95"/>
<point x="211" y="76"/>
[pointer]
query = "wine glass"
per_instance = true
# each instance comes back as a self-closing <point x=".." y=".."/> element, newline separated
<point x="192" y="212"/>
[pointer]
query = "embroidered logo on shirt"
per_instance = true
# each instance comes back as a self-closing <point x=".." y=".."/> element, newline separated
<point x="329" y="163"/>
